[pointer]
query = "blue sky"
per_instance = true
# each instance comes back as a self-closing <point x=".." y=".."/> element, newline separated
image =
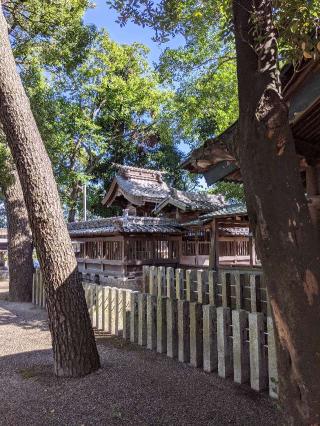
<point x="103" y="16"/>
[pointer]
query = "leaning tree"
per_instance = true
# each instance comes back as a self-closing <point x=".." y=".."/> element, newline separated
<point x="74" y="347"/>
<point x="35" y="30"/>
<point x="264" y="31"/>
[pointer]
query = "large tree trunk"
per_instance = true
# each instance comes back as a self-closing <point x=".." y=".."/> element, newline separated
<point x="20" y="244"/>
<point x="74" y="347"/>
<point x="287" y="241"/>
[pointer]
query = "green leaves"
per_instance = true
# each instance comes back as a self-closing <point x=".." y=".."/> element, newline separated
<point x="296" y="21"/>
<point x="106" y="109"/>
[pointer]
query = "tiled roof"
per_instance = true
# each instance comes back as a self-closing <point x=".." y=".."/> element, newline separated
<point x="226" y="210"/>
<point x="123" y="224"/>
<point x="234" y="231"/>
<point x="153" y="191"/>
<point x="137" y="186"/>
<point x="231" y="209"/>
<point x="192" y="201"/>
<point x="122" y="169"/>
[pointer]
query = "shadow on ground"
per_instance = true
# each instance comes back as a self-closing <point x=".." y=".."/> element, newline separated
<point x="21" y="314"/>
<point x="134" y="386"/>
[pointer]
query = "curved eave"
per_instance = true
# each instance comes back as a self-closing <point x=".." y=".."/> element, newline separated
<point x="111" y="194"/>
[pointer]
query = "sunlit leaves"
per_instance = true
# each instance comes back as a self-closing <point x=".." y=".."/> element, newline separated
<point x="107" y="109"/>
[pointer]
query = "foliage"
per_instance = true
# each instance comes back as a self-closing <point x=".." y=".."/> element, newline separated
<point x="232" y="191"/>
<point x="38" y="30"/>
<point x="206" y="104"/>
<point x="296" y="21"/>
<point x="47" y="28"/>
<point x="108" y="109"/>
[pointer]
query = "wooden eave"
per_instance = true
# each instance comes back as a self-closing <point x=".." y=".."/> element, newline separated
<point x="302" y="93"/>
<point x="111" y="194"/>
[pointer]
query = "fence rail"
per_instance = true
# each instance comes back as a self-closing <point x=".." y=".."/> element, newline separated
<point x="230" y="289"/>
<point x="234" y="342"/>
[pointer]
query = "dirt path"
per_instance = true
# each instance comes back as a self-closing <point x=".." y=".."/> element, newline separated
<point x="134" y="386"/>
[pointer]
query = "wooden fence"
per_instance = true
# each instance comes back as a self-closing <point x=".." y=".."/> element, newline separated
<point x="234" y="342"/>
<point x="230" y="288"/>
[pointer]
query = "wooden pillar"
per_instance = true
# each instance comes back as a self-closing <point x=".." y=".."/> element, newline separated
<point x="252" y="250"/>
<point x="214" y="249"/>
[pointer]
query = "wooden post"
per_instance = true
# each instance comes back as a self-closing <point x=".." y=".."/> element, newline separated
<point x="252" y="250"/>
<point x="179" y="284"/>
<point x="255" y="303"/>
<point x="224" y="344"/>
<point x="210" y="353"/>
<point x="134" y="317"/>
<point x="241" y="361"/>
<point x="183" y="331"/>
<point x="106" y="311"/>
<point x="99" y="307"/>
<point x="202" y="296"/>
<point x="272" y="360"/>
<point x="226" y="291"/>
<point x="126" y="314"/>
<point x="196" y="340"/>
<point x="145" y="278"/>
<point x="172" y="328"/>
<point x="142" y="319"/>
<point x="214" y="253"/>
<point x="258" y="371"/>
<point x="238" y="289"/>
<point x="161" y="281"/>
<point x="170" y="283"/>
<point x="212" y="283"/>
<point x="153" y="273"/>
<point x="151" y="322"/>
<point x="121" y="306"/>
<point x="161" y="325"/>
<point x="189" y="290"/>
<point x="114" y="311"/>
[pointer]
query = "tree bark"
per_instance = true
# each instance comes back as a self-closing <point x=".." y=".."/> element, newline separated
<point x="20" y="245"/>
<point x="74" y="347"/>
<point x="287" y="242"/>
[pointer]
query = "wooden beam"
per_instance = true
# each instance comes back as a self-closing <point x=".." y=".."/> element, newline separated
<point x="219" y="171"/>
<point x="305" y="95"/>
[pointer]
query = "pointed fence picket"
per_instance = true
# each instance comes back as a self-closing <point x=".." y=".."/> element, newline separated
<point x="197" y="324"/>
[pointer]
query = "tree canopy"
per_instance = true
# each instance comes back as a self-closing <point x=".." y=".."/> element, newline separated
<point x="107" y="109"/>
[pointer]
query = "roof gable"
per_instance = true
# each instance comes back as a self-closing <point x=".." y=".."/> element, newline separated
<point x="137" y="185"/>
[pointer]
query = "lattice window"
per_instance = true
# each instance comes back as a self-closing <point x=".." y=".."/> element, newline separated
<point x="196" y="242"/>
<point x="109" y="250"/>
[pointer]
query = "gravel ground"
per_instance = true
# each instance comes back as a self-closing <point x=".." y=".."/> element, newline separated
<point x="134" y="386"/>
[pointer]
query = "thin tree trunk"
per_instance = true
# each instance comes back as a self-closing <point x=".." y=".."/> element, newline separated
<point x="20" y="246"/>
<point x="287" y="241"/>
<point x="74" y="347"/>
<point x="74" y="196"/>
